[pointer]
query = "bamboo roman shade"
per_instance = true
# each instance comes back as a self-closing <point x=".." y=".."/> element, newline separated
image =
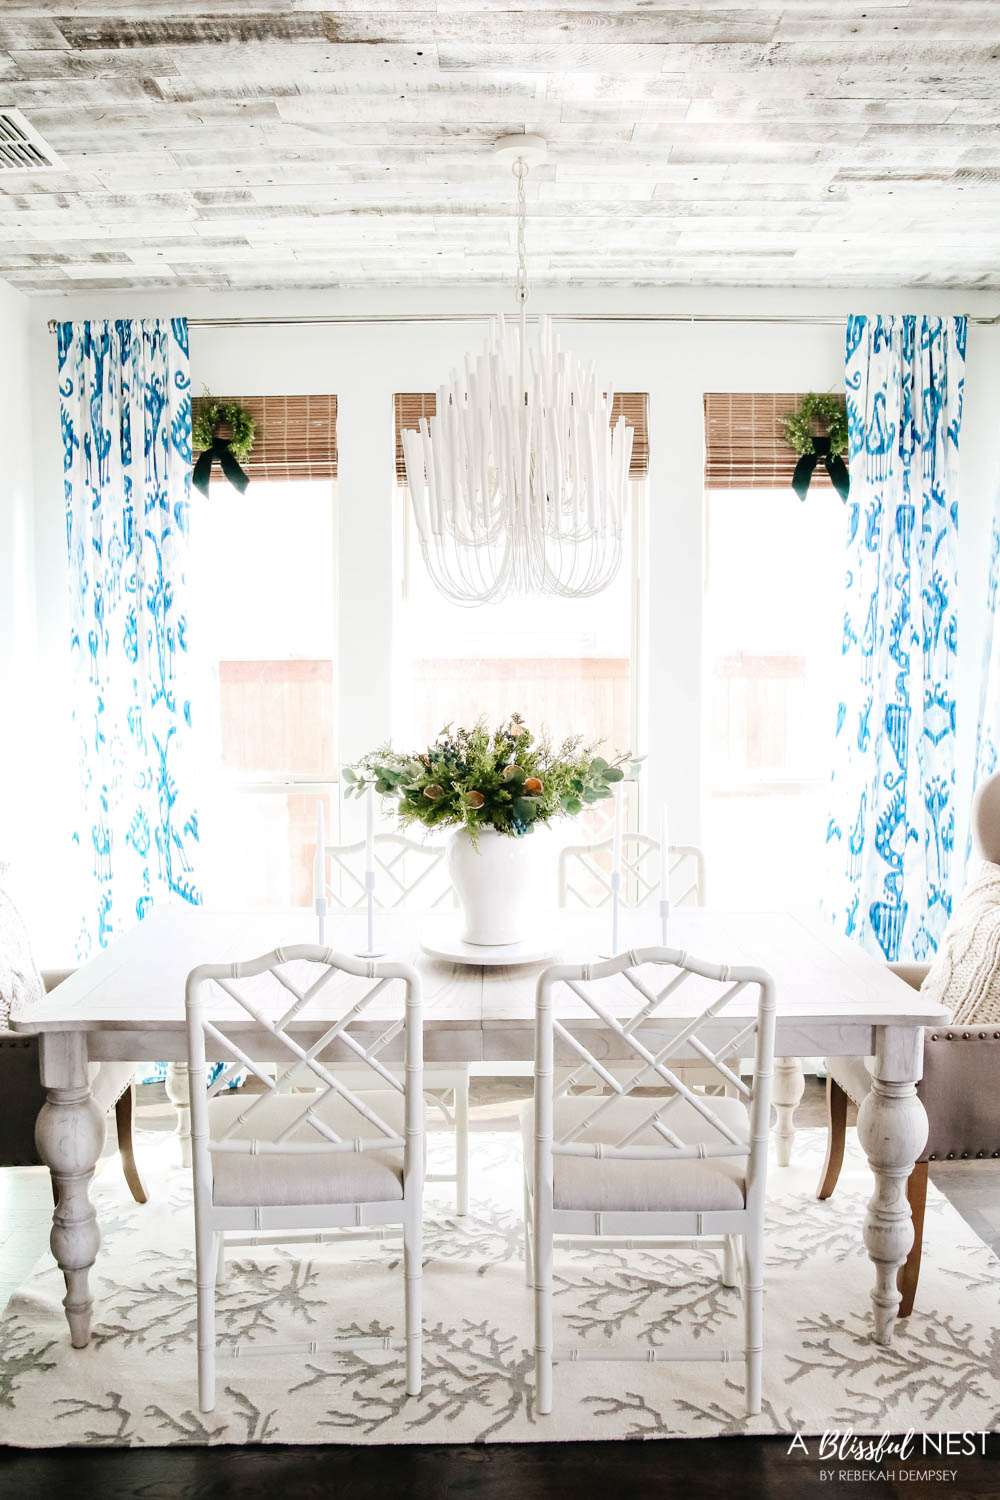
<point x="296" y="436"/>
<point x="410" y="406"/>
<point x="745" y="447"/>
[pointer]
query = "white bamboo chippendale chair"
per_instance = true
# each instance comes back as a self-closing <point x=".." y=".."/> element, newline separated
<point x="585" y="880"/>
<point x="413" y="874"/>
<point x="621" y="1165"/>
<point x="329" y="1158"/>
<point x="407" y="873"/>
<point x="585" y="877"/>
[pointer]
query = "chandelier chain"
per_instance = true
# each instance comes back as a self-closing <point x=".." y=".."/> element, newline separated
<point x="520" y="170"/>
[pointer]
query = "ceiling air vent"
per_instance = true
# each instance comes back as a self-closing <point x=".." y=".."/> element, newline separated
<point x="21" y="147"/>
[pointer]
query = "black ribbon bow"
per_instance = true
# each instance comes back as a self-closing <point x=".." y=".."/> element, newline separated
<point x="220" y="450"/>
<point x="833" y="463"/>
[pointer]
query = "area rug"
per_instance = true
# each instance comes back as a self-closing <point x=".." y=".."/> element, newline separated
<point x="135" y="1384"/>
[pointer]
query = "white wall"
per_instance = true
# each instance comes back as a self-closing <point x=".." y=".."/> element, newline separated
<point x="365" y="363"/>
<point x="17" y="614"/>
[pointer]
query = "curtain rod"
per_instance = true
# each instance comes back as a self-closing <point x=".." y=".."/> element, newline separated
<point x="328" y="319"/>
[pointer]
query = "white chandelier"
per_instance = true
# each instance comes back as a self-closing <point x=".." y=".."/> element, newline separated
<point x="519" y="483"/>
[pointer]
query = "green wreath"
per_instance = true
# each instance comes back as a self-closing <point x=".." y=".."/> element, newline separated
<point x="215" y="414"/>
<point x="814" y="447"/>
<point x="830" y="411"/>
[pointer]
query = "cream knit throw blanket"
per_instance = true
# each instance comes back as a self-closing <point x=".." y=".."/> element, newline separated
<point x="965" y="974"/>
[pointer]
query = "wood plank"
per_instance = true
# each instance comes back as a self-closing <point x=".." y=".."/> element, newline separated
<point x="277" y="136"/>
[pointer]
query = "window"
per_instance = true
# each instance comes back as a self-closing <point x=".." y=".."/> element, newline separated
<point x="265" y="628"/>
<point x="567" y="665"/>
<point x="773" y="590"/>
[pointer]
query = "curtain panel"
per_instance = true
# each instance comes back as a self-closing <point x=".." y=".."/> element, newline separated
<point x="891" y="831"/>
<point x="988" y="731"/>
<point x="125" y="401"/>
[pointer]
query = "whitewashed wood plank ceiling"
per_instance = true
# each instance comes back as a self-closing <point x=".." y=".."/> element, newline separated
<point x="253" y="144"/>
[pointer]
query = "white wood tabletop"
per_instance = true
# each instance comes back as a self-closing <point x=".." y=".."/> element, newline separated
<point x="830" y="994"/>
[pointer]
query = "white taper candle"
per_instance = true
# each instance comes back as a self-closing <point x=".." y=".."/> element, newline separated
<point x="370" y="828"/>
<point x="664" y="880"/>
<point x="616" y="866"/>
<point x="665" y="858"/>
<point x="319" y="872"/>
<point x="318" y="860"/>
<point x="616" y="842"/>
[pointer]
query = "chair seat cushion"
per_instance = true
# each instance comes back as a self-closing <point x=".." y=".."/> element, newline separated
<point x="608" y="1185"/>
<point x="853" y="1074"/>
<point x="278" y="1179"/>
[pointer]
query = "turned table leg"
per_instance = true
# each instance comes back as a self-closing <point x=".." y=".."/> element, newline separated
<point x="786" y="1094"/>
<point x="180" y="1098"/>
<point x="892" y="1128"/>
<point x="70" y="1135"/>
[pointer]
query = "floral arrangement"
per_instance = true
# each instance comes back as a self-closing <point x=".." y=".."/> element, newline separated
<point x="829" y="411"/>
<point x="478" y="778"/>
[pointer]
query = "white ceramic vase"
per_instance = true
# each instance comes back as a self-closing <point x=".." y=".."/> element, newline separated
<point x="497" y="883"/>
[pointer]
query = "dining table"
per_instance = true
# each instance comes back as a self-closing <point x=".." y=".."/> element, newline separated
<point x="127" y="1003"/>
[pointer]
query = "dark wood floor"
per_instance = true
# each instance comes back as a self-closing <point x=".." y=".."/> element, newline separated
<point x="730" y="1468"/>
<point x="727" y="1468"/>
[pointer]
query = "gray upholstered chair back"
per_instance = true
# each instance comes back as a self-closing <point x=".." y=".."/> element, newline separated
<point x="985" y="820"/>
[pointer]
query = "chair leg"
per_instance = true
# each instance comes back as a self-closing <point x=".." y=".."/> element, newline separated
<point x="125" y="1122"/>
<point x="836" y="1135"/>
<point x="205" y="1267"/>
<point x="753" y="1313"/>
<point x="730" y="1261"/>
<point x="462" y="1146"/>
<point x="542" y="1247"/>
<point x="220" y="1263"/>
<point x="412" y="1289"/>
<point x="909" y="1271"/>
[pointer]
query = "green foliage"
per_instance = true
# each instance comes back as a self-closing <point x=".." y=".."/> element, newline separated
<point x="476" y="778"/>
<point x="830" y="412"/>
<point x="215" y="414"/>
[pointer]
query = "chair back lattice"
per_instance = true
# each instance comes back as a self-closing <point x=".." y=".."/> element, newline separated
<point x="406" y="873"/>
<point x="650" y="979"/>
<point x="274" y="992"/>
<point x="585" y="873"/>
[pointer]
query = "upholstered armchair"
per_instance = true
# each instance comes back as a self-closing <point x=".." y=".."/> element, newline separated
<point x="112" y="1085"/>
<point x="959" y="1089"/>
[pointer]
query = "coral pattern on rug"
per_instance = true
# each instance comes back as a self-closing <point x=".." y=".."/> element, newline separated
<point x="135" y="1384"/>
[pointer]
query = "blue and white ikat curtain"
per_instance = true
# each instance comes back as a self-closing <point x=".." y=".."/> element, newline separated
<point x="891" y="832"/>
<point x="125" y="399"/>
<point x="988" y="733"/>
